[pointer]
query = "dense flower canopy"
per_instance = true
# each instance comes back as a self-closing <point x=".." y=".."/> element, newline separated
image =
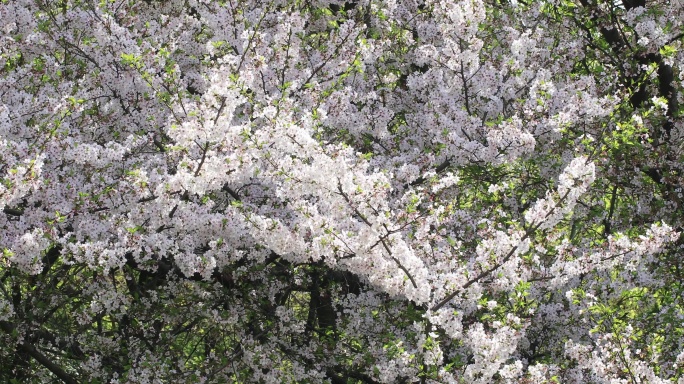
<point x="454" y="191"/>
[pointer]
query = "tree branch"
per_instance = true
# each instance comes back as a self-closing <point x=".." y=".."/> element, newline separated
<point x="39" y="357"/>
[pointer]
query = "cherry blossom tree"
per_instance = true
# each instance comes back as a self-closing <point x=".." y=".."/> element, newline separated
<point x="329" y="191"/>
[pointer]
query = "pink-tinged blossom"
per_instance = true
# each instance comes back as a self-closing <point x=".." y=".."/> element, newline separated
<point x="572" y="183"/>
<point x="26" y="252"/>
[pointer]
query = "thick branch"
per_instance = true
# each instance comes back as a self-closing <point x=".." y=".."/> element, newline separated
<point x="440" y="168"/>
<point x="39" y="357"/>
<point x="13" y="211"/>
